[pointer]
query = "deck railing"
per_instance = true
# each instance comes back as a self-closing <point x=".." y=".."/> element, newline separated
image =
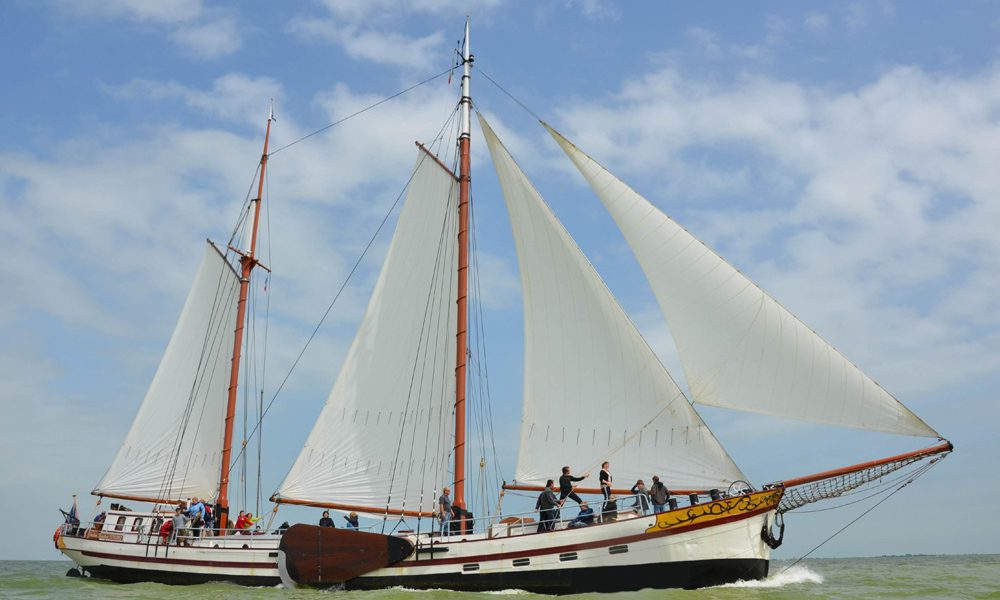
<point x="491" y="526"/>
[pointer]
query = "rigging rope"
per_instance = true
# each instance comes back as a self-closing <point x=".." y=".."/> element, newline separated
<point x="363" y="110"/>
<point x="509" y="95"/>
<point x="910" y="480"/>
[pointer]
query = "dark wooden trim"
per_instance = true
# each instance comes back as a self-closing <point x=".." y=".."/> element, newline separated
<point x="437" y="160"/>
<point x="945" y="447"/>
<point x="218" y="564"/>
<point x="595" y="491"/>
<point x="374" y="510"/>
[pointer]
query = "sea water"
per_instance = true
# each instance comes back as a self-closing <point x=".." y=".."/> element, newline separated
<point x="968" y="576"/>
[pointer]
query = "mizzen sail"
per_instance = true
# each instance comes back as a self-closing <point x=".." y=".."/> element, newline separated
<point x="593" y="388"/>
<point x="383" y="436"/>
<point x="739" y="347"/>
<point x="173" y="448"/>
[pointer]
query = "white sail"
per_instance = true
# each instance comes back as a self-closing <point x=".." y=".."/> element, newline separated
<point x="174" y="447"/>
<point x="593" y="388"/>
<point x="739" y="347"/>
<point x="384" y="434"/>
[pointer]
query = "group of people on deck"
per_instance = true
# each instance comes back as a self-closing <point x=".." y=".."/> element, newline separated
<point x="352" y="520"/>
<point x="548" y="505"/>
<point x="194" y="518"/>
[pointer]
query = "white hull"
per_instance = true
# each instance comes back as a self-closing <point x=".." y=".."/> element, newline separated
<point x="547" y="562"/>
<point x="708" y="544"/>
<point x="128" y="561"/>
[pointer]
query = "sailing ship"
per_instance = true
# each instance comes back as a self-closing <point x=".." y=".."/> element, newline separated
<point x="392" y="434"/>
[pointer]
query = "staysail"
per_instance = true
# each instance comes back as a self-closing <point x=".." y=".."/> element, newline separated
<point x="383" y="436"/>
<point x="173" y="448"/>
<point x="593" y="388"/>
<point x="739" y="347"/>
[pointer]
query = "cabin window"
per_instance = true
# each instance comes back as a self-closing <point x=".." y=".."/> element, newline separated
<point x="120" y="524"/>
<point x="137" y="525"/>
<point x="565" y="556"/>
<point x="618" y="549"/>
<point x="470" y="567"/>
<point x="522" y="562"/>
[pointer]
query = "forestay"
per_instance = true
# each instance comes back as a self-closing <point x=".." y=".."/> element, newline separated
<point x="593" y="389"/>
<point x="739" y="347"/>
<point x="384" y="434"/>
<point x="173" y="449"/>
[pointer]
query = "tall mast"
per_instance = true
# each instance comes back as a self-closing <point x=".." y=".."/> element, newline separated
<point x="464" y="178"/>
<point x="248" y="262"/>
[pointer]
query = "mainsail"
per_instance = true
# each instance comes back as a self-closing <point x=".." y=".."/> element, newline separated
<point x="739" y="347"/>
<point x="174" y="446"/>
<point x="593" y="388"/>
<point x="382" y="439"/>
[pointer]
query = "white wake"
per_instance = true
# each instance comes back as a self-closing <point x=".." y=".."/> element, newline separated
<point x="796" y="574"/>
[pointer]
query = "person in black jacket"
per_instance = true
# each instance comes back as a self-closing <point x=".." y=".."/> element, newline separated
<point x="658" y="495"/>
<point x="566" y="486"/>
<point x="605" y="478"/>
<point x="546" y="507"/>
<point x="326" y="521"/>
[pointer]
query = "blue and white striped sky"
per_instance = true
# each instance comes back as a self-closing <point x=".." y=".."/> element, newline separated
<point x="843" y="155"/>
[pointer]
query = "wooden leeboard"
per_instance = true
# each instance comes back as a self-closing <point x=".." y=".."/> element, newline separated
<point x="325" y="555"/>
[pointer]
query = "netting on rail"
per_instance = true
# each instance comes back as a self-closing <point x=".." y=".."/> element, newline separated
<point x="842" y="485"/>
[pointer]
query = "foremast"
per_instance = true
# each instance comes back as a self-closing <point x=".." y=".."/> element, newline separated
<point x="248" y="261"/>
<point x="464" y="179"/>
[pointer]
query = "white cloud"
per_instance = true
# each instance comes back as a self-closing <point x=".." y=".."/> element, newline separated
<point x="232" y="97"/>
<point x="164" y="11"/>
<point x="200" y="32"/>
<point x="595" y="10"/>
<point x="348" y="25"/>
<point x="385" y="48"/>
<point x="210" y="39"/>
<point x="817" y="22"/>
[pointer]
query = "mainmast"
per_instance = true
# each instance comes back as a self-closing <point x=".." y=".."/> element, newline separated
<point x="464" y="178"/>
<point x="248" y="261"/>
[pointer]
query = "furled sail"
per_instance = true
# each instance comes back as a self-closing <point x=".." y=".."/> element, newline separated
<point x="383" y="436"/>
<point x="739" y="347"/>
<point x="593" y="388"/>
<point x="174" y="447"/>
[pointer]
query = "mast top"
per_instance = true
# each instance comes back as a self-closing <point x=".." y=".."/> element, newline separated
<point x="466" y="101"/>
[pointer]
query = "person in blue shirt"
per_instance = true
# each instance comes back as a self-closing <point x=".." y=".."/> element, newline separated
<point x="585" y="518"/>
<point x="196" y="512"/>
<point x="352" y="520"/>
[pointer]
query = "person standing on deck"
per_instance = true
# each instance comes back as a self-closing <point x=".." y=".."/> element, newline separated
<point x="241" y="521"/>
<point x="641" y="505"/>
<point x="445" y="512"/>
<point x="196" y="512"/>
<point x="566" y="486"/>
<point x="658" y="495"/>
<point x="546" y="507"/>
<point x="605" y="477"/>
<point x="179" y="522"/>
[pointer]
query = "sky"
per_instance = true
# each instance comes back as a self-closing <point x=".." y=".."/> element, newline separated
<point x="842" y="155"/>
